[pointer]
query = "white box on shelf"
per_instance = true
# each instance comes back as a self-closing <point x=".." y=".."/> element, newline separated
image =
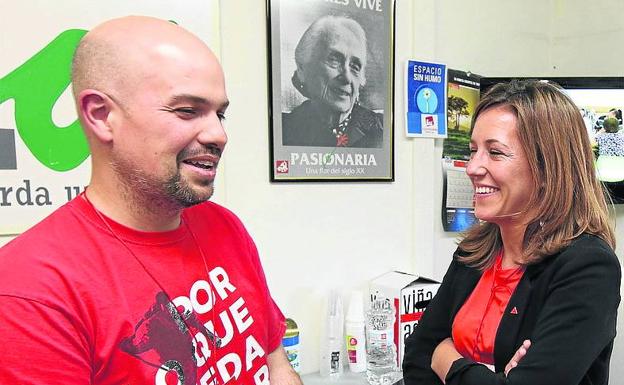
<point x="410" y="295"/>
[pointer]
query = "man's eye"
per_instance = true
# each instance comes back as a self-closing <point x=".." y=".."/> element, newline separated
<point x="185" y="112"/>
<point x="221" y="116"/>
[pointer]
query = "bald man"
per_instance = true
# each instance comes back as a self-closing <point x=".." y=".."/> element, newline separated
<point x="141" y="280"/>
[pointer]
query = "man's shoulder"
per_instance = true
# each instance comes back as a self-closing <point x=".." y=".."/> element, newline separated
<point x="56" y="228"/>
<point x="38" y="256"/>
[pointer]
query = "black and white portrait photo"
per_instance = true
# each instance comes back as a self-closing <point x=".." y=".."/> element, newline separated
<point x="331" y="70"/>
<point x="331" y="73"/>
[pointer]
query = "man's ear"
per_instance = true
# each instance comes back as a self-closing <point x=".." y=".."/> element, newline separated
<point x="95" y="108"/>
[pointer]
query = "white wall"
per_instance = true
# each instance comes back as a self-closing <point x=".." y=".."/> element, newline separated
<point x="313" y="237"/>
<point x="587" y="40"/>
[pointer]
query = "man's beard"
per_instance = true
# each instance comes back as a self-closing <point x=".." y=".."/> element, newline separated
<point x="183" y="193"/>
<point x="152" y="194"/>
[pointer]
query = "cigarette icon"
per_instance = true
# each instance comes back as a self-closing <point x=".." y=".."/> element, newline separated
<point x="427" y="95"/>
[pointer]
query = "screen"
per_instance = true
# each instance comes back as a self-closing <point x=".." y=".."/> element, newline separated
<point x="601" y="102"/>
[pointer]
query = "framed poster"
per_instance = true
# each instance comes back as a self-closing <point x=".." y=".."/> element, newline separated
<point x="331" y="90"/>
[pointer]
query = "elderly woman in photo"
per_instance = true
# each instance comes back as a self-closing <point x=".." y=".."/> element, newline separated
<point x="331" y="62"/>
<point x="531" y="295"/>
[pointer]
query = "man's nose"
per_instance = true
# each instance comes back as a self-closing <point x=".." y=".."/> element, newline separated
<point x="213" y="131"/>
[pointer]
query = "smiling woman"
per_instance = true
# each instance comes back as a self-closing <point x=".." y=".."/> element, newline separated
<point x="498" y="167"/>
<point x="532" y="293"/>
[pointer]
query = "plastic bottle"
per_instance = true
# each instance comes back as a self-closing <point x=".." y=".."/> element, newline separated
<point x="381" y="366"/>
<point x="355" y="335"/>
<point x="331" y="342"/>
<point x="290" y="342"/>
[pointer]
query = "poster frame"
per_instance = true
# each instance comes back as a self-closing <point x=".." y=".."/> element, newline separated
<point x="327" y="163"/>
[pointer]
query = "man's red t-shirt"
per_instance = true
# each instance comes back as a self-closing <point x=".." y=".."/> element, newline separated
<point x="79" y="307"/>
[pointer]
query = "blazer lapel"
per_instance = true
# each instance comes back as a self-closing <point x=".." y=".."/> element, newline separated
<point x="506" y="336"/>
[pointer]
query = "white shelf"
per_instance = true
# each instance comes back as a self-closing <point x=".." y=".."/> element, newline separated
<point x="347" y="378"/>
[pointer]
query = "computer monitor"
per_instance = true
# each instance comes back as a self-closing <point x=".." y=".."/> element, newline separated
<point x="597" y="99"/>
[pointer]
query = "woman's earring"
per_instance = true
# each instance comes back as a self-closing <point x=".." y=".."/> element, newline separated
<point x="298" y="83"/>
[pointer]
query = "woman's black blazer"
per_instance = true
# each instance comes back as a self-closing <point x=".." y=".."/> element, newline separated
<point x="566" y="305"/>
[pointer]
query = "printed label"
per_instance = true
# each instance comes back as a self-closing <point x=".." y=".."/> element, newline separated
<point x="381" y="338"/>
<point x="291" y="346"/>
<point x="352" y="349"/>
<point x="335" y="362"/>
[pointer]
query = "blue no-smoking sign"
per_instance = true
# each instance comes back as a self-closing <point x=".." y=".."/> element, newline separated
<point x="426" y="99"/>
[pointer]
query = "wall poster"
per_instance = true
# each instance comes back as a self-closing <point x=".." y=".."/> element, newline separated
<point x="425" y="99"/>
<point x="331" y="73"/>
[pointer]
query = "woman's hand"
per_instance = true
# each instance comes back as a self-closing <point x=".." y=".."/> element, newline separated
<point x="443" y="357"/>
<point x="520" y="353"/>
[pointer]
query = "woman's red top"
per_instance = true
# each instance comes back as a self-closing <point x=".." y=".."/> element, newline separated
<point x="476" y="323"/>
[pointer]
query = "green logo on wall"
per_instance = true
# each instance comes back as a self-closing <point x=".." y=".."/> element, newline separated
<point x="35" y="86"/>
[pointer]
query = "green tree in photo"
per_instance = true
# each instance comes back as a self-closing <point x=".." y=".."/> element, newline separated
<point x="457" y="107"/>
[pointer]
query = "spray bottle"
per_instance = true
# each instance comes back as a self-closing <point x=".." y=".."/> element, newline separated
<point x="355" y="336"/>
<point x="331" y="343"/>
